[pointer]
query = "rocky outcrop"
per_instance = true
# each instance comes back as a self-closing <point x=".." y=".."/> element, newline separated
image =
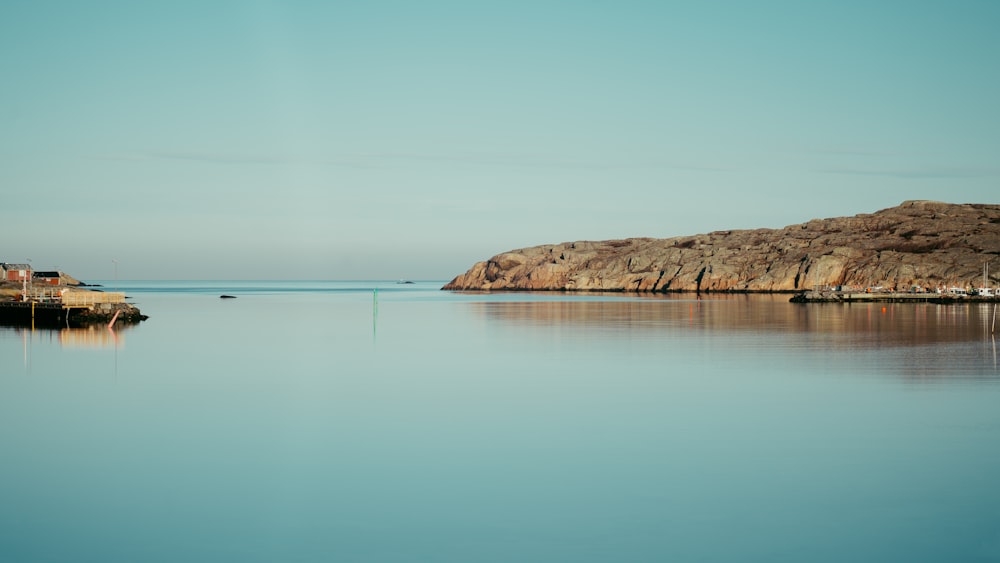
<point x="923" y="243"/>
<point x="120" y="312"/>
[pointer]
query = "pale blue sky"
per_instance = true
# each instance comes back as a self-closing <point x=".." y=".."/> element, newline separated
<point x="359" y="140"/>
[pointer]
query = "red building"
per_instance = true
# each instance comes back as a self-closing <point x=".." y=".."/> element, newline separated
<point x="15" y="272"/>
<point x="50" y="278"/>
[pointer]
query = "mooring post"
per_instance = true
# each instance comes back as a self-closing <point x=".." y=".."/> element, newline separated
<point x="374" y="313"/>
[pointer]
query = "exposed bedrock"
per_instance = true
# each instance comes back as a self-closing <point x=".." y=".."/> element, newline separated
<point x="922" y="243"/>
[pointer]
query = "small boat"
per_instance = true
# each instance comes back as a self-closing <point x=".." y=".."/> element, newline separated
<point x="985" y="290"/>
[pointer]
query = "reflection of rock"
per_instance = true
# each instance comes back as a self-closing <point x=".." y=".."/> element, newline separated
<point x="850" y="328"/>
<point x="917" y="243"/>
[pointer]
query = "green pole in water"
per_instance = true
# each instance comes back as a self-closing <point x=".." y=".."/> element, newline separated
<point x="374" y="310"/>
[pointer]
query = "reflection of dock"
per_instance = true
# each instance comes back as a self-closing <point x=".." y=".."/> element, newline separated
<point x="89" y="337"/>
<point x="80" y="337"/>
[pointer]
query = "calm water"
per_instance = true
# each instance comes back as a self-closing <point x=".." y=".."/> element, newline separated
<point x="310" y="421"/>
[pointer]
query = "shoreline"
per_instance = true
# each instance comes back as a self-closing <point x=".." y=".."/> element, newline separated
<point x="888" y="297"/>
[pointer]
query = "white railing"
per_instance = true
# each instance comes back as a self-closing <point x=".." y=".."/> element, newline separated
<point x="44" y="295"/>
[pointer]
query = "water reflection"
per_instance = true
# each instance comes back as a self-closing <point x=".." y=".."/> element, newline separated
<point x="91" y="337"/>
<point x="88" y="337"/>
<point x="676" y="417"/>
<point x="916" y="340"/>
<point x="875" y="324"/>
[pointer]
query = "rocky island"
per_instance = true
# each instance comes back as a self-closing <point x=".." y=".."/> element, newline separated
<point x="916" y="246"/>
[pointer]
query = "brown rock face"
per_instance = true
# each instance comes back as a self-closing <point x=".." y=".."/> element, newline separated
<point x="918" y="243"/>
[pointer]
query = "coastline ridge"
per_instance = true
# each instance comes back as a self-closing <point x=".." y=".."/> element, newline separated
<point x="917" y="246"/>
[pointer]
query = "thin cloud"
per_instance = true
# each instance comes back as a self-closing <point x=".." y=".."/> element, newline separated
<point x="383" y="160"/>
<point x="915" y="173"/>
<point x="229" y="158"/>
<point x="847" y="151"/>
<point x="530" y="161"/>
<point x="220" y="158"/>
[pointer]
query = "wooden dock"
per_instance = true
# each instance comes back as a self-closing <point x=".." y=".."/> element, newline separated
<point x="887" y="297"/>
<point x="90" y="299"/>
<point x="45" y="307"/>
<point x="25" y="312"/>
<point x="73" y="298"/>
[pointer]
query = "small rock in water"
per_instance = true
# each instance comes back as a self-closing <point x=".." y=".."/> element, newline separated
<point x="227" y="297"/>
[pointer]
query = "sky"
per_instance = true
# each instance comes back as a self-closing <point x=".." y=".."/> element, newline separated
<point x="391" y="140"/>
